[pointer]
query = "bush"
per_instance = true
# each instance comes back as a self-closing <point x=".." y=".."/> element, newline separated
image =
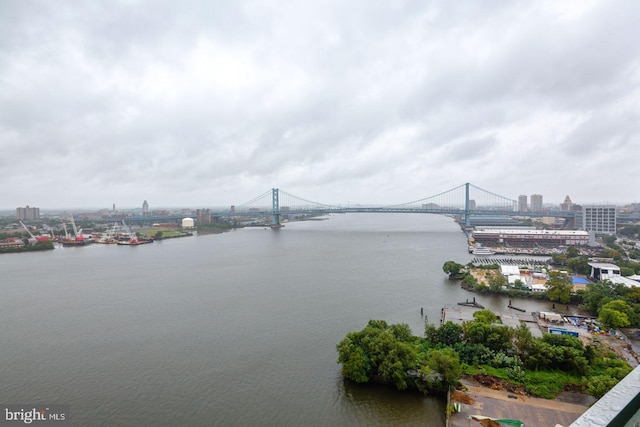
<point x="599" y="385"/>
<point x="515" y="373"/>
<point x="474" y="354"/>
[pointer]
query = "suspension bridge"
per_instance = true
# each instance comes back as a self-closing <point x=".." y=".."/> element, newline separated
<point x="465" y="201"/>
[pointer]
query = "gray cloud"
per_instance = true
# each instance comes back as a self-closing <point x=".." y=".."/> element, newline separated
<point x="213" y="103"/>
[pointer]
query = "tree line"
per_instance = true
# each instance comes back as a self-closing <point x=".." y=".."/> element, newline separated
<point x="431" y="364"/>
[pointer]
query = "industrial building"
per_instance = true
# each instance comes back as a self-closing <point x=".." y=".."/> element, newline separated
<point x="528" y="238"/>
<point x="610" y="272"/>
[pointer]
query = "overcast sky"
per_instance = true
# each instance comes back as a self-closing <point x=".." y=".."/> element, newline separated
<point x="211" y="103"/>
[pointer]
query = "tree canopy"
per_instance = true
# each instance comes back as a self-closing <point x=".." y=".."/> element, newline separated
<point x="452" y="268"/>
<point x="559" y="287"/>
<point x="391" y="354"/>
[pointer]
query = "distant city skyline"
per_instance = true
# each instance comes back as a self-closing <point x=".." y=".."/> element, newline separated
<point x="145" y="206"/>
<point x="213" y="103"/>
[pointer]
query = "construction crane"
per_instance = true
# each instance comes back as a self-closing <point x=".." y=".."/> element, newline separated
<point x="77" y="234"/>
<point x="33" y="240"/>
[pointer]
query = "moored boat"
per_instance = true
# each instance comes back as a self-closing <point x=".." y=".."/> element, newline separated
<point x="483" y="251"/>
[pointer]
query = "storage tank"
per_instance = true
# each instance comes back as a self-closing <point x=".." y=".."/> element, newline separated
<point x="187" y="223"/>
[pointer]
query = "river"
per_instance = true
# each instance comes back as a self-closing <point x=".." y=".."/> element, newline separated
<point x="234" y="329"/>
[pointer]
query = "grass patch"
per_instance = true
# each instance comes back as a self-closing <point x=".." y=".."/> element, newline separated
<point x="548" y="384"/>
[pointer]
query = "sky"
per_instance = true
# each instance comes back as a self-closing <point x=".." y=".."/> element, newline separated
<point x="211" y="103"/>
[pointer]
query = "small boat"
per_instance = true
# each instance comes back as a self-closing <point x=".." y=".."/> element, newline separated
<point x="483" y="251"/>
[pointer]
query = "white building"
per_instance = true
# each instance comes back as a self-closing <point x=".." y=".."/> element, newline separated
<point x="610" y="272"/>
<point x="538" y="288"/>
<point x="188" y="223"/>
<point x="599" y="219"/>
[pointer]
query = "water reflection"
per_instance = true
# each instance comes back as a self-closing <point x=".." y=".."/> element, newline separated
<point x="363" y="403"/>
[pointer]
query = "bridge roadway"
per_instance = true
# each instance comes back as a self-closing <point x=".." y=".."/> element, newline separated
<point x="343" y="210"/>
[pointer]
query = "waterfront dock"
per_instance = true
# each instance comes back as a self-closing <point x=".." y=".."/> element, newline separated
<point x="473" y="304"/>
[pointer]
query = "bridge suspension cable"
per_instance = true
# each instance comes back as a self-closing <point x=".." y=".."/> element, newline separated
<point x="265" y="195"/>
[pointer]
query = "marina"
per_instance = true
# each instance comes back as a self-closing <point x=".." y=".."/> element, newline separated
<point x="517" y="261"/>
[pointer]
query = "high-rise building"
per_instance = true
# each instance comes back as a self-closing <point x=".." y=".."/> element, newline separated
<point x="28" y="213"/>
<point x="599" y="219"/>
<point x="522" y="203"/>
<point x="145" y="208"/>
<point x="566" y="205"/>
<point x="536" y="202"/>
<point x="203" y="216"/>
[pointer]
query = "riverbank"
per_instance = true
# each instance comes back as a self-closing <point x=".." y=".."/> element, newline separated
<point x="17" y="248"/>
<point x="475" y="399"/>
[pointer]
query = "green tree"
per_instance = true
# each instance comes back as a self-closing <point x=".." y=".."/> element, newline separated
<point x="497" y="281"/>
<point x="620" y="305"/>
<point x="431" y="333"/>
<point x="449" y="333"/>
<point x="598" y="294"/>
<point x="452" y="268"/>
<point x="579" y="265"/>
<point x="158" y="235"/>
<point x="563" y="341"/>
<point x="378" y="351"/>
<point x="627" y="271"/>
<point x="399" y="358"/>
<point x="559" y="287"/>
<point x="599" y="385"/>
<point x="356" y="366"/>
<point x="615" y="314"/>
<point x="447" y="363"/>
<point x="401" y="332"/>
<point x="522" y="339"/>
<point x="559" y="259"/>
<point x="496" y="338"/>
<point x="633" y="295"/>
<point x="572" y="252"/>
<point x="485" y="316"/>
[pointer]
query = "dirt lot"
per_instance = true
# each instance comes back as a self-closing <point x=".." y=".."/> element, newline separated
<point x="499" y="403"/>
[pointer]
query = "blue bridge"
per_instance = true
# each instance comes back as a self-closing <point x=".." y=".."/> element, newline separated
<point x="465" y="201"/>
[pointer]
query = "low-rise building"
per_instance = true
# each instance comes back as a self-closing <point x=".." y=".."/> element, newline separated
<point x="610" y="272"/>
<point x="528" y="238"/>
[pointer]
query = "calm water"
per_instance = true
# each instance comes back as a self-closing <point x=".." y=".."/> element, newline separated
<point x="231" y="329"/>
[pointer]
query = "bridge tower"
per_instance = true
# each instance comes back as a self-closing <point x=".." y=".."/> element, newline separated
<point x="467" y="209"/>
<point x="275" y="208"/>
